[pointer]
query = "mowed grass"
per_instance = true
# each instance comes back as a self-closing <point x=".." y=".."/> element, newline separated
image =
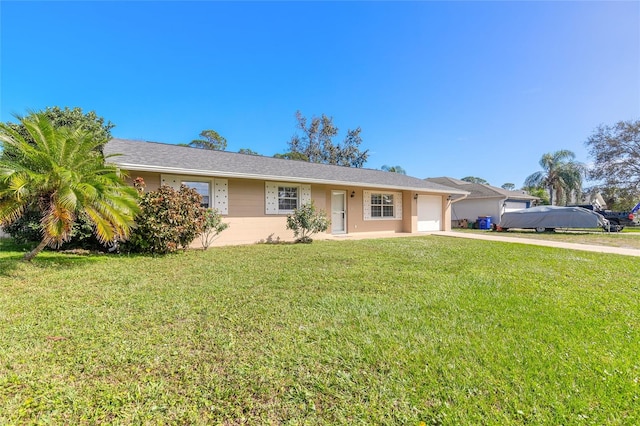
<point x="389" y="331"/>
<point x="628" y="238"/>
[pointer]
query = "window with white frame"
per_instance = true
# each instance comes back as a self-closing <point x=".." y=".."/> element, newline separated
<point x="214" y="191"/>
<point x="382" y="205"/>
<point x="203" y="188"/>
<point x="284" y="197"/>
<point x="287" y="198"/>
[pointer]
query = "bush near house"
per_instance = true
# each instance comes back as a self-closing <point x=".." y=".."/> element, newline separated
<point x="213" y="226"/>
<point x="169" y="220"/>
<point x="306" y="221"/>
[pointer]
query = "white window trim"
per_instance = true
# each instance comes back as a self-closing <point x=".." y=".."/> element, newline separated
<point x="271" y="196"/>
<point x="397" y="205"/>
<point x="218" y="189"/>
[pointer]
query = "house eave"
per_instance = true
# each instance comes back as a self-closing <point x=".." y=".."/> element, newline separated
<point x="277" y="178"/>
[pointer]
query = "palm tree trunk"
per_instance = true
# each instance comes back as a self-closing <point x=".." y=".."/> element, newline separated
<point x="29" y="256"/>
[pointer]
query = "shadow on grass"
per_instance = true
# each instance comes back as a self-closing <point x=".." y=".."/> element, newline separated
<point x="12" y="254"/>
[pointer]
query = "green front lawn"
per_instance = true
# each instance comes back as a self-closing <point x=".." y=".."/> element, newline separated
<point x="390" y="331"/>
<point x="628" y="238"/>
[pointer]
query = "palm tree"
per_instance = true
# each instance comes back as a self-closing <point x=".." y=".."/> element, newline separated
<point x="560" y="174"/>
<point x="62" y="173"/>
<point x="393" y="169"/>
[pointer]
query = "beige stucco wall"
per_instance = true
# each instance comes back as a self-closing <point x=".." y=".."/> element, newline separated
<point x="248" y="222"/>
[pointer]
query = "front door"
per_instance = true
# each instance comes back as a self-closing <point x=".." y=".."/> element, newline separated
<point x="338" y="212"/>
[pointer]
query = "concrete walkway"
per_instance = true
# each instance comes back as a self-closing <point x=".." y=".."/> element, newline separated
<point x="546" y="243"/>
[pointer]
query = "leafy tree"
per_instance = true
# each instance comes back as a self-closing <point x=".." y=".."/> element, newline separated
<point x="616" y="153"/>
<point x="541" y="193"/>
<point x="509" y="186"/>
<point x="61" y="173"/>
<point x="473" y="179"/>
<point x="292" y="156"/>
<point x="560" y="175"/>
<point x="247" y="151"/>
<point x="168" y="221"/>
<point x="68" y="117"/>
<point x="212" y="227"/>
<point x="316" y="143"/>
<point x="210" y="140"/>
<point x="306" y="221"/>
<point x="393" y="169"/>
<point x="617" y="198"/>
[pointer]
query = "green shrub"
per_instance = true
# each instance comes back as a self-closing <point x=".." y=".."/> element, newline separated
<point x="169" y="220"/>
<point x="28" y="229"/>
<point x="213" y="226"/>
<point x="306" y="221"/>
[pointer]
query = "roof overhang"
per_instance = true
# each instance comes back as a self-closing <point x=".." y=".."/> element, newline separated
<point x="277" y="178"/>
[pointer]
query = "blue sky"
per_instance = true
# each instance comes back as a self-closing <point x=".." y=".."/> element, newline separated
<point x="440" y="88"/>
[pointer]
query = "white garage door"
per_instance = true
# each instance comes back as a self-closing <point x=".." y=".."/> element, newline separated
<point x="511" y="206"/>
<point x="429" y="213"/>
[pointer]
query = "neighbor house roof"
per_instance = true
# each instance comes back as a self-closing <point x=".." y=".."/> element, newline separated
<point x="165" y="158"/>
<point x="479" y="190"/>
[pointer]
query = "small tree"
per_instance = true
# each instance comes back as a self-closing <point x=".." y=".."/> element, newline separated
<point x="212" y="227"/>
<point x="306" y="221"/>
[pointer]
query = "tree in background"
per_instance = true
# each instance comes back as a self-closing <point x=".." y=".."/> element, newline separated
<point x="61" y="117"/>
<point x="473" y="179"/>
<point x="60" y="172"/>
<point x="393" y="169"/>
<point x="298" y="156"/>
<point x="316" y="143"/>
<point x="509" y="186"/>
<point x="541" y="193"/>
<point x="560" y="175"/>
<point x="247" y="151"/>
<point x="211" y="140"/>
<point x="616" y="153"/>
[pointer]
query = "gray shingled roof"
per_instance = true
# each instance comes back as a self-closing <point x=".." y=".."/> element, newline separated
<point x="478" y="190"/>
<point x="166" y="158"/>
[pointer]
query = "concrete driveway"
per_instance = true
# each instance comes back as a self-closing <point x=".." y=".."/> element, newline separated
<point x="546" y="243"/>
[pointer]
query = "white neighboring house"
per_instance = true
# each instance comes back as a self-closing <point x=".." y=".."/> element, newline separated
<point x="483" y="200"/>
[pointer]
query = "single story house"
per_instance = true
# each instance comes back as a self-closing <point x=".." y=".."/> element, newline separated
<point x="256" y="193"/>
<point x="483" y="201"/>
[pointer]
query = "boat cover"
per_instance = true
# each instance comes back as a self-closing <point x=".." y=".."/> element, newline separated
<point x="553" y="217"/>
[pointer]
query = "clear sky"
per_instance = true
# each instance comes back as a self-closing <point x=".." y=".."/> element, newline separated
<point x="440" y="88"/>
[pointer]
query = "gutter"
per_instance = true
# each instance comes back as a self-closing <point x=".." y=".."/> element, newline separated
<point x="209" y="173"/>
